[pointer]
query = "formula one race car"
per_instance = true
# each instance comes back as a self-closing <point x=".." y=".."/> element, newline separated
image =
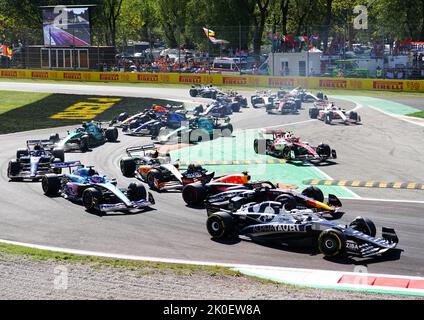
<point x="35" y="161"/>
<point x="205" y="91"/>
<point x="285" y="145"/>
<point x="195" y="194"/>
<point x="310" y="198"/>
<point x="90" y="135"/>
<point x="157" y="170"/>
<point x="262" y="99"/>
<point x="328" y="112"/>
<point x="269" y="221"/>
<point x="287" y="105"/>
<point x="199" y="129"/>
<point x="97" y="193"/>
<point x="302" y="95"/>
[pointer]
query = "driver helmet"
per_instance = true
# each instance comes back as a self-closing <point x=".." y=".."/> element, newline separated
<point x="288" y="135"/>
<point x="37" y="147"/>
<point x="92" y="172"/>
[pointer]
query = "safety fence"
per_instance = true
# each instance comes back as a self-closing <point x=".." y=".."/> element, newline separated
<point x="219" y="80"/>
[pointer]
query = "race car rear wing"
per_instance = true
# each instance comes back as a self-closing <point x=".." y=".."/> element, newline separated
<point x="273" y="132"/>
<point x="43" y="143"/>
<point x="143" y="149"/>
<point x="64" y="165"/>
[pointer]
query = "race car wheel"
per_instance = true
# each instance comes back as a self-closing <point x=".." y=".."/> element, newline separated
<point x="261" y="146"/>
<point x="328" y="118"/>
<point x="84" y="144"/>
<point x="313" y="113"/>
<point x="220" y="225"/>
<point x="51" y="184"/>
<point x="194" y="194"/>
<point x="313" y="193"/>
<point x="193" y="93"/>
<point x="152" y="176"/>
<point x="54" y="138"/>
<point x="57" y="170"/>
<point x="227" y="130"/>
<point x="331" y="243"/>
<point x="288" y="201"/>
<point x="112" y="134"/>
<point x="287" y="153"/>
<point x="123" y="116"/>
<point x="13" y="170"/>
<point x="324" y="151"/>
<point x="198" y="110"/>
<point x="298" y="104"/>
<point x="91" y="198"/>
<point x="364" y="225"/>
<point x="353" y="116"/>
<point x="59" y="154"/>
<point x="137" y="192"/>
<point x="235" y="107"/>
<point x="320" y="95"/>
<point x="21" y="153"/>
<point x="128" y="167"/>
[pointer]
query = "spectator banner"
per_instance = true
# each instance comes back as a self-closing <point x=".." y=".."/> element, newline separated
<point x="220" y="80"/>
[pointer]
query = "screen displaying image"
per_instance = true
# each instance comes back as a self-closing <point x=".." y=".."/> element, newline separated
<point x="66" y="26"/>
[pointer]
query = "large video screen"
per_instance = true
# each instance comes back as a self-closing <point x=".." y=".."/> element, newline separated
<point x="66" y="26"/>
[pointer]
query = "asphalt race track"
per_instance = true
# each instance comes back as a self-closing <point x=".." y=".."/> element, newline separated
<point x="383" y="148"/>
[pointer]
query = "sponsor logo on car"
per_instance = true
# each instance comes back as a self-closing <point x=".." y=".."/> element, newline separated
<point x="277" y="228"/>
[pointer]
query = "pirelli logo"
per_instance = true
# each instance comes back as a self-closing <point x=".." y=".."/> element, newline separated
<point x="281" y="82"/>
<point x="109" y="77"/>
<point x="190" y="79"/>
<point x="234" y="80"/>
<point x="148" y="77"/>
<point x="9" y="73"/>
<point x="40" y="75"/>
<point x="333" y="84"/>
<point x="388" y="85"/>
<point x="366" y="184"/>
<point x="72" y="76"/>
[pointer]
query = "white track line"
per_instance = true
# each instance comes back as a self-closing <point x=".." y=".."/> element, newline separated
<point x="289" y="124"/>
<point x="385" y="200"/>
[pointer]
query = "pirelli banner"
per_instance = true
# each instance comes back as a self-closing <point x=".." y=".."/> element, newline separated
<point x="219" y="80"/>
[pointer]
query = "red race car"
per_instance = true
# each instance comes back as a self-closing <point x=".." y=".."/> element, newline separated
<point x="285" y="145"/>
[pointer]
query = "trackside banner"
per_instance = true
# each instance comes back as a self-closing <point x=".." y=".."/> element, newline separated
<point x="219" y="80"/>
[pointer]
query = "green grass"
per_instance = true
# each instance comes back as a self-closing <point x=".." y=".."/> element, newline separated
<point x="419" y="114"/>
<point x="10" y="100"/>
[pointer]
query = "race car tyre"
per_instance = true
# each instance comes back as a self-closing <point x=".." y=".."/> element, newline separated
<point x="320" y="95"/>
<point x="84" y="144"/>
<point x="135" y="124"/>
<point x="227" y="130"/>
<point x="261" y="146"/>
<point x="331" y="243"/>
<point x="235" y="107"/>
<point x="193" y="93"/>
<point x="128" y="167"/>
<point x="194" y="194"/>
<point x="152" y="176"/>
<point x="91" y="198"/>
<point x="287" y="153"/>
<point x="324" y="151"/>
<point x="59" y="154"/>
<point x="220" y="225"/>
<point x="50" y="184"/>
<point x="364" y="225"/>
<point x="13" y="170"/>
<point x="137" y="192"/>
<point x="314" y="193"/>
<point x="198" y="110"/>
<point x="298" y="104"/>
<point x="200" y="135"/>
<point x="288" y="201"/>
<point x="54" y="138"/>
<point x="313" y="113"/>
<point x="328" y="118"/>
<point x="57" y="170"/>
<point x="112" y="134"/>
<point x="353" y="116"/>
<point x="123" y="116"/>
<point x="21" y="153"/>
